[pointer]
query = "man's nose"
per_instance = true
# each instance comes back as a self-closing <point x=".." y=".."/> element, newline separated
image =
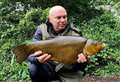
<point x="62" y="19"/>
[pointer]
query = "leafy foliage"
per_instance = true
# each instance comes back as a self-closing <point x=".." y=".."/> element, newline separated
<point x="18" y="21"/>
<point x="17" y="25"/>
<point x="103" y="28"/>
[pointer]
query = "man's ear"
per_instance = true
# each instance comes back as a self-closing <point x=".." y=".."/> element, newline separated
<point x="48" y="19"/>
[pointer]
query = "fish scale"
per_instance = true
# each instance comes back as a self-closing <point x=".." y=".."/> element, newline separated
<point x="64" y="49"/>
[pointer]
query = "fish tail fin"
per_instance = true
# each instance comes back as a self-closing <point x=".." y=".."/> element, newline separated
<point x="21" y="52"/>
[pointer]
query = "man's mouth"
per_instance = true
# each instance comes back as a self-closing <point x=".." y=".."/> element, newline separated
<point x="62" y="25"/>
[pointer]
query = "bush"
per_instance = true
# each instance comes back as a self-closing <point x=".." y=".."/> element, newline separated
<point x="104" y="28"/>
<point x="14" y="33"/>
<point x="18" y="21"/>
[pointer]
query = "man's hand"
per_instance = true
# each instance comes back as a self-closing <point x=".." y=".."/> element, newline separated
<point x="42" y="57"/>
<point x="81" y="58"/>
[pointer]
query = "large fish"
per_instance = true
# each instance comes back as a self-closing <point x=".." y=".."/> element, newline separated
<point x="63" y="49"/>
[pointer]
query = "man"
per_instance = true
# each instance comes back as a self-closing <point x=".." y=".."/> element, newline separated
<point x="43" y="70"/>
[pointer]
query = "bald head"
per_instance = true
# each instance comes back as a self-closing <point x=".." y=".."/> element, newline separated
<point x="56" y="9"/>
<point x="58" y="18"/>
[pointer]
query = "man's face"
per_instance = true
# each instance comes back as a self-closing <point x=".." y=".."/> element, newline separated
<point x="58" y="19"/>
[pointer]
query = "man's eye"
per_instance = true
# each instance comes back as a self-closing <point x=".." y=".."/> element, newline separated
<point x="64" y="17"/>
<point x="58" y="17"/>
<point x="61" y="17"/>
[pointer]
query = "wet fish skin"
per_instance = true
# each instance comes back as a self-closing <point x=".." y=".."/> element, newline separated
<point x="63" y="49"/>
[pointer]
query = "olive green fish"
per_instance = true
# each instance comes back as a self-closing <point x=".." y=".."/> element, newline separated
<point x="64" y="49"/>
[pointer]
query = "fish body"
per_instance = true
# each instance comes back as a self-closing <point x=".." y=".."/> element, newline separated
<point x="63" y="49"/>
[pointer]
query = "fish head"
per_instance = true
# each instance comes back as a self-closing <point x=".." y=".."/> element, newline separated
<point x="92" y="47"/>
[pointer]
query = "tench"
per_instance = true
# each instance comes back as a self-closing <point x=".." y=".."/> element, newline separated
<point x="64" y="49"/>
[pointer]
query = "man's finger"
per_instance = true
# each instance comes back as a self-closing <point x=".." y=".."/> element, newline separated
<point x="42" y="57"/>
<point x="38" y="53"/>
<point x="47" y="57"/>
<point x="81" y="58"/>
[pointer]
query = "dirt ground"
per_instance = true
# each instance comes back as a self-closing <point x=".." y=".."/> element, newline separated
<point x="89" y="78"/>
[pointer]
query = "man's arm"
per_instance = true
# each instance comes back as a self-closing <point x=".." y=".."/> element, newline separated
<point x="36" y="37"/>
<point x="82" y="60"/>
<point x="39" y="56"/>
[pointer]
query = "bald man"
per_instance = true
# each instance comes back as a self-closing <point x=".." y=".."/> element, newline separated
<point x="41" y="69"/>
